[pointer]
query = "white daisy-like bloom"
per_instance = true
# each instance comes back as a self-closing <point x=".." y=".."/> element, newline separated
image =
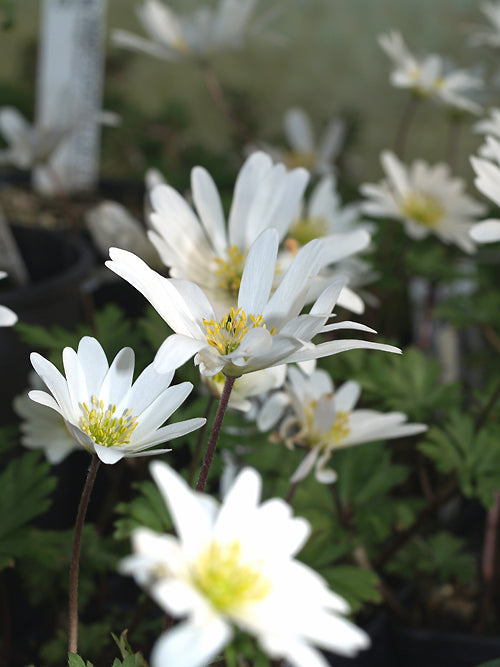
<point x="247" y="387"/>
<point x="431" y="76"/>
<point x="261" y="330"/>
<point x="172" y="36"/>
<point x="487" y="181"/>
<point x="488" y="35"/>
<point x="7" y="316"/>
<point x="323" y="419"/>
<point x="110" y="224"/>
<point x="43" y="428"/>
<point x="343" y="235"/>
<point x="316" y="154"/>
<point x="28" y="145"/>
<point x="103" y="410"/>
<point x="427" y="199"/>
<point x="233" y="565"/>
<point x="200" y="246"/>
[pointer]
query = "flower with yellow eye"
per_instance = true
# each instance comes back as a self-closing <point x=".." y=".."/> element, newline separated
<point x="322" y="419"/>
<point x="261" y="330"/>
<point x="233" y="565"/>
<point x="427" y="199"/>
<point x="103" y="410"/>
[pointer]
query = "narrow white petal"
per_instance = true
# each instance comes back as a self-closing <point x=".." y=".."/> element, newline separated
<point x="298" y="130"/>
<point x="258" y="274"/>
<point x="347" y="396"/>
<point x="187" y="645"/>
<point x="208" y="204"/>
<point x="54" y="380"/>
<point x="118" y="379"/>
<point x="94" y="363"/>
<point x="175" y="351"/>
<point x="109" y="455"/>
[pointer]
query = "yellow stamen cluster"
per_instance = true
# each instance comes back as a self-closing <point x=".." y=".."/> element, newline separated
<point x="423" y="208"/>
<point x="226" y="335"/>
<point x="340" y="429"/>
<point x="102" y="425"/>
<point x="305" y="159"/>
<point x="230" y="270"/>
<point x="222" y="575"/>
<point x="307" y="229"/>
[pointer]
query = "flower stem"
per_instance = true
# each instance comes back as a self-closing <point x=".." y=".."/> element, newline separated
<point x="488" y="561"/>
<point x="75" y="556"/>
<point x="217" y="94"/>
<point x="214" y="435"/>
<point x="201" y="435"/>
<point x="404" y="125"/>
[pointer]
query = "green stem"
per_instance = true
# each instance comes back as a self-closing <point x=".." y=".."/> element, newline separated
<point x="75" y="556"/>
<point x="214" y="435"/>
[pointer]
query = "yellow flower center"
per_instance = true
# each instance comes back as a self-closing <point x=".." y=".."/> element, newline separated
<point x="423" y="208"/>
<point x="226" y="335"/>
<point x="336" y="434"/>
<point x="226" y="579"/>
<point x="307" y="229"/>
<point x="102" y="425"/>
<point x="306" y="159"/>
<point x="230" y="270"/>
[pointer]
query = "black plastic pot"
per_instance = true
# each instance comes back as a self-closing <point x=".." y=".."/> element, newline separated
<point x="417" y="647"/>
<point x="57" y="263"/>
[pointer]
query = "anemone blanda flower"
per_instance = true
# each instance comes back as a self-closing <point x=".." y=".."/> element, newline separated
<point x="431" y="76"/>
<point x="343" y="235"/>
<point x="316" y="154"/>
<point x="427" y="199"/>
<point x="202" y="248"/>
<point x="234" y="565"/>
<point x="487" y="181"/>
<point x="7" y="316"/>
<point x="322" y="419"/>
<point x="260" y="330"/>
<point x="172" y="36"/>
<point x="488" y="35"/>
<point x="103" y="410"/>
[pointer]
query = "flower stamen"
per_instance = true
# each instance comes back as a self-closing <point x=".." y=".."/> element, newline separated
<point x="222" y="575"/>
<point x="227" y="335"/>
<point x="103" y="427"/>
<point x="424" y="208"/>
<point x="230" y="270"/>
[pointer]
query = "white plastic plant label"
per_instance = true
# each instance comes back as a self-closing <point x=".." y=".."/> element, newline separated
<point x="69" y="92"/>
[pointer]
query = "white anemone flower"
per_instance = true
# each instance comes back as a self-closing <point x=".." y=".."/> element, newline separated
<point x="260" y="330"/>
<point x="103" y="410"/>
<point x="487" y="181"/>
<point x="427" y="199"/>
<point x="488" y="35"/>
<point x="318" y="155"/>
<point x="233" y="564"/>
<point x="203" y="248"/>
<point x="7" y="316"/>
<point x="172" y="36"/>
<point x="322" y="419"/>
<point x="43" y="428"/>
<point x="430" y="76"/>
<point x="343" y="235"/>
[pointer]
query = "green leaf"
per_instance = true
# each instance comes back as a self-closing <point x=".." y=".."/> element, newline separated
<point x="74" y="660"/>
<point x="25" y="486"/>
<point x="473" y="457"/>
<point x="441" y="555"/>
<point x="355" y="584"/>
<point x="130" y="659"/>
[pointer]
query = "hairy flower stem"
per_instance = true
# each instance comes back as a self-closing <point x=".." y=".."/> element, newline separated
<point x="217" y="94"/>
<point x="404" y="125"/>
<point x="199" y="441"/>
<point x="214" y="435"/>
<point x="488" y="562"/>
<point x="75" y="556"/>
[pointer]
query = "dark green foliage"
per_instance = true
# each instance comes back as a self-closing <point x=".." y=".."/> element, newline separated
<point x="473" y="457"/>
<point x="441" y="555"/>
<point x="25" y="487"/>
<point x="357" y="585"/>
<point x="145" y="510"/>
